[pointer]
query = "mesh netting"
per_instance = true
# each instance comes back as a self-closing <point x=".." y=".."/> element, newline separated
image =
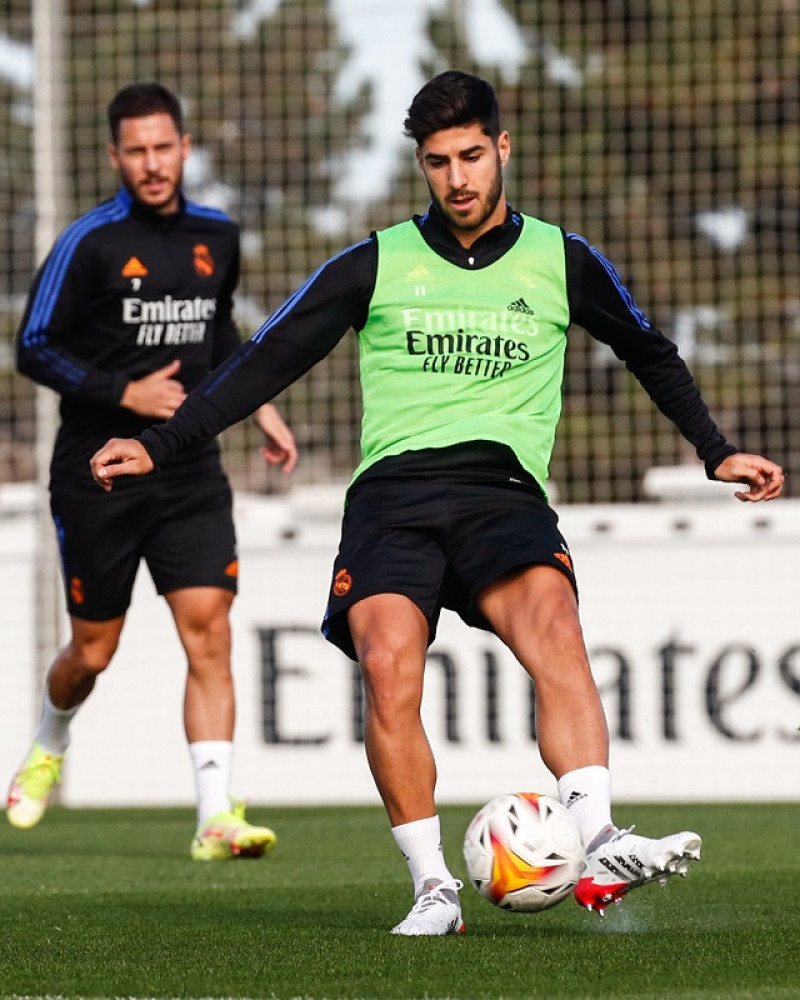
<point x="666" y="133"/>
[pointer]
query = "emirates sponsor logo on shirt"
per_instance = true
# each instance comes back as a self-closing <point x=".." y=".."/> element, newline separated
<point x="168" y="321"/>
<point x="167" y="310"/>
<point x="480" y="343"/>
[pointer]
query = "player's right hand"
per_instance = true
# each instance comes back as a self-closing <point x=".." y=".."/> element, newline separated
<point x="156" y="395"/>
<point x="119" y="457"/>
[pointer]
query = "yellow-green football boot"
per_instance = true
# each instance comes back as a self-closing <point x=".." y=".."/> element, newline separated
<point x="228" y="835"/>
<point x="32" y="788"/>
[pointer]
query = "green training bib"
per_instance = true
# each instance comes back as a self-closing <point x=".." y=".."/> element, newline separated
<point x="449" y="356"/>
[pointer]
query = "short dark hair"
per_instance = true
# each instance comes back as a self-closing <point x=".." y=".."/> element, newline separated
<point x="450" y="100"/>
<point x="138" y="100"/>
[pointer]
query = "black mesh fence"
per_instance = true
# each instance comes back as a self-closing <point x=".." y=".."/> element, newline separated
<point x="666" y="133"/>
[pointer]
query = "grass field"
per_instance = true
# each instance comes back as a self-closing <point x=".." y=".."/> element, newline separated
<point x="105" y="903"/>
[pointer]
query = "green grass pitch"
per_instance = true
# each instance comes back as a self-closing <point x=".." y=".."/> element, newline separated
<point x="106" y="903"/>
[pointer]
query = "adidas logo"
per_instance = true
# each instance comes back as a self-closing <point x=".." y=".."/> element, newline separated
<point x="520" y="306"/>
<point x="622" y="867"/>
<point x="420" y="271"/>
<point x="134" y="268"/>
<point x="574" y="797"/>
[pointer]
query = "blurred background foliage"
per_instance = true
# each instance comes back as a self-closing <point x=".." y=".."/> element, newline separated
<point x="665" y="133"/>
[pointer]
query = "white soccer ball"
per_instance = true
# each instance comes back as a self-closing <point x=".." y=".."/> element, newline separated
<point x="523" y="852"/>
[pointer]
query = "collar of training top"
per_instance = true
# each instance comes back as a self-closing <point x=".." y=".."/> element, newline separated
<point x="144" y="212"/>
<point x="484" y="251"/>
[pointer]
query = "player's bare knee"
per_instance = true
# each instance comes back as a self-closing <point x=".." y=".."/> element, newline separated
<point x="558" y="623"/>
<point x="89" y="657"/>
<point x="380" y="663"/>
<point x="208" y="647"/>
<point x="392" y="681"/>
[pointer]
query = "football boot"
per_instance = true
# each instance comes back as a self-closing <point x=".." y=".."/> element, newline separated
<point x="625" y="861"/>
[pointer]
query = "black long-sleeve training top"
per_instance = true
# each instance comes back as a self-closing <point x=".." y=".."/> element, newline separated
<point x="336" y="298"/>
<point x="124" y="292"/>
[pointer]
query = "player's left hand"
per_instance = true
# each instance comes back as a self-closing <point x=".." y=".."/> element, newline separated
<point x="764" y="478"/>
<point x="280" y="447"/>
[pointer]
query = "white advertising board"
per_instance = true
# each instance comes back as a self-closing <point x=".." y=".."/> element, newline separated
<point x="689" y="612"/>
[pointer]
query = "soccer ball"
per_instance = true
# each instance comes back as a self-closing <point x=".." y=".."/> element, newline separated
<point x="523" y="852"/>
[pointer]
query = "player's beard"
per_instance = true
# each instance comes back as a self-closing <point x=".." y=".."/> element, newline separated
<point x="166" y="202"/>
<point x="487" y="205"/>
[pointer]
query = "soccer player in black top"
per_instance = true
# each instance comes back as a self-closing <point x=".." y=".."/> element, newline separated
<point x="461" y="316"/>
<point x="130" y="310"/>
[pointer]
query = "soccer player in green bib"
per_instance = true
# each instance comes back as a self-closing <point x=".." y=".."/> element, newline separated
<point x="462" y="315"/>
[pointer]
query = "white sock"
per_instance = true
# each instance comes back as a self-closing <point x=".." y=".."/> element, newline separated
<point x="421" y="844"/>
<point x="53" y="732"/>
<point x="586" y="793"/>
<point x="212" y="761"/>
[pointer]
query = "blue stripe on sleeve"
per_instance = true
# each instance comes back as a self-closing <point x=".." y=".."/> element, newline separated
<point x="276" y="317"/>
<point x="56" y="268"/>
<point x="610" y="270"/>
<point x="60" y="365"/>
<point x="297" y="295"/>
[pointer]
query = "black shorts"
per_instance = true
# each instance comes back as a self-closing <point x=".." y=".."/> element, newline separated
<point x="439" y="543"/>
<point x="182" y="528"/>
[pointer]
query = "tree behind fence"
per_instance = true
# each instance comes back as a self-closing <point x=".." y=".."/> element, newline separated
<point x="666" y="133"/>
